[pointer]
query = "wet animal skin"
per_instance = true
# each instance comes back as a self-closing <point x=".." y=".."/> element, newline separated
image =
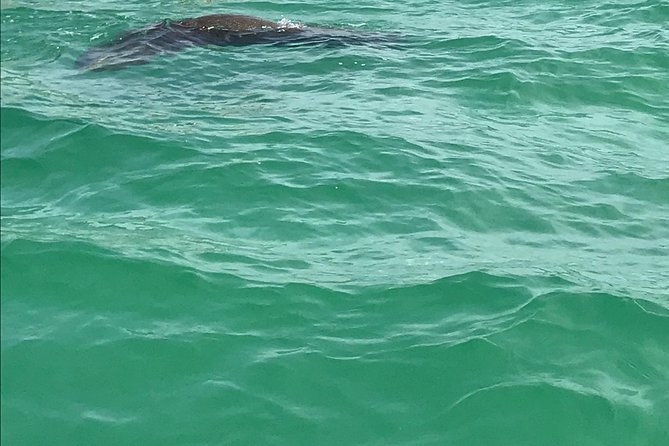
<point x="139" y="46"/>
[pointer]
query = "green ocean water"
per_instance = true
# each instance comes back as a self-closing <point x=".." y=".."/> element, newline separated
<point x="461" y="238"/>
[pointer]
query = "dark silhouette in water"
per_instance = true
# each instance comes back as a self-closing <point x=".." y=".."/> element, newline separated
<point x="140" y="45"/>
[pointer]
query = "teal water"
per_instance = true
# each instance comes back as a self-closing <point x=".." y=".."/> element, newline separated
<point x="459" y="239"/>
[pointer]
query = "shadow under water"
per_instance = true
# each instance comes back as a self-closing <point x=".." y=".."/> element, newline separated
<point x="139" y="46"/>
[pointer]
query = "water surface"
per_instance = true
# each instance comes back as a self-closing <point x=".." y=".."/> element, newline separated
<point x="459" y="239"/>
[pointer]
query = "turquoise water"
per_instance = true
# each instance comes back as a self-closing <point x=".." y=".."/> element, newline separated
<point x="458" y="239"/>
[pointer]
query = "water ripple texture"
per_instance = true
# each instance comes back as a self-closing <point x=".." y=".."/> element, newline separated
<point x="458" y="238"/>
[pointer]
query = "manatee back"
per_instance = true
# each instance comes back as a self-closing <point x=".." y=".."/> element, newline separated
<point x="228" y="22"/>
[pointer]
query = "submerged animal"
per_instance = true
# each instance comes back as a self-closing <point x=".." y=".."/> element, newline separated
<point x="138" y="46"/>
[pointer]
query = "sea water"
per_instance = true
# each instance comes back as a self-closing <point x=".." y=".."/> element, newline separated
<point x="461" y="238"/>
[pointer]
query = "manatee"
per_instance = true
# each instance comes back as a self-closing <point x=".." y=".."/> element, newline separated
<point x="138" y="46"/>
